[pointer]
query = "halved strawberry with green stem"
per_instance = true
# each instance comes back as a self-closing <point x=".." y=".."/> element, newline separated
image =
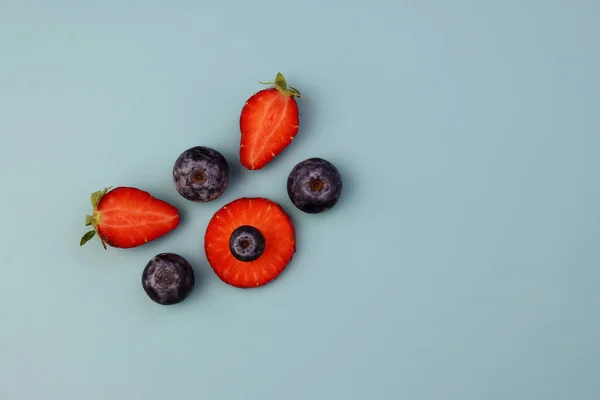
<point x="268" y="123"/>
<point x="127" y="217"/>
<point x="249" y="242"/>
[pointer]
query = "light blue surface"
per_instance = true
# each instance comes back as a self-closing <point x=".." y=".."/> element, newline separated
<point x="461" y="263"/>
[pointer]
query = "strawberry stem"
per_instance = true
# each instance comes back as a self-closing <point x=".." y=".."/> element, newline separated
<point x="93" y="219"/>
<point x="281" y="84"/>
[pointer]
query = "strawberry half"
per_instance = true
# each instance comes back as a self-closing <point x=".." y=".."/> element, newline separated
<point x="249" y="242"/>
<point x="268" y="123"/>
<point x="128" y="217"/>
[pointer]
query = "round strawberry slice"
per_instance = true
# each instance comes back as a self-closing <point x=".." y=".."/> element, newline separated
<point x="249" y="242"/>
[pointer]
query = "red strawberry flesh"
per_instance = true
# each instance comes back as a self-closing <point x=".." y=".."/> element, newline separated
<point x="128" y="217"/>
<point x="268" y="123"/>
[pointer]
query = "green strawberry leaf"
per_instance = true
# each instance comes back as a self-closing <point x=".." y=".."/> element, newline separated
<point x="296" y="93"/>
<point x="88" y="220"/>
<point x="96" y="198"/>
<point x="280" y="81"/>
<point x="281" y="85"/>
<point x="87" y="237"/>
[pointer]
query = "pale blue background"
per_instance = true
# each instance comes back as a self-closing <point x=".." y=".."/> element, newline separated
<point x="463" y="261"/>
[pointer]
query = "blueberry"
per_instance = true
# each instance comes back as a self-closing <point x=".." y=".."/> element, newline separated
<point x="246" y="243"/>
<point x="314" y="185"/>
<point x="168" y="278"/>
<point x="201" y="174"/>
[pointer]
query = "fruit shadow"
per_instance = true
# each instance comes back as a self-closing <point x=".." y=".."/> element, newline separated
<point x="235" y="170"/>
<point x="349" y="184"/>
<point x="307" y="116"/>
<point x="201" y="272"/>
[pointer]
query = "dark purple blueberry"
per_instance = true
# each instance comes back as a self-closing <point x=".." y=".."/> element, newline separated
<point x="314" y="185"/>
<point x="201" y="174"/>
<point x="246" y="243"/>
<point x="168" y="278"/>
